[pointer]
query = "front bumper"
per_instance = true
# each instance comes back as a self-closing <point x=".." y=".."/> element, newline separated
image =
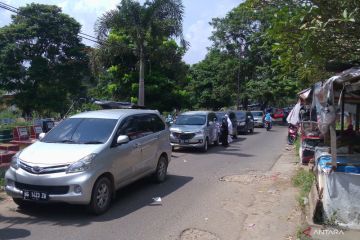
<point x="195" y="142"/>
<point x="241" y="128"/>
<point x="20" y="177"/>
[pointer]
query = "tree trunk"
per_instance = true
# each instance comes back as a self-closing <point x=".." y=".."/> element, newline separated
<point x="141" y="99"/>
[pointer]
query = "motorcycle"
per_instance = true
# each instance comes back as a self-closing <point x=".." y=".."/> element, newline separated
<point x="267" y="125"/>
<point x="292" y="134"/>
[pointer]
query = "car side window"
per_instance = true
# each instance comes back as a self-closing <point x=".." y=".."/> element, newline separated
<point x="146" y="126"/>
<point x="158" y="124"/>
<point x="130" y="127"/>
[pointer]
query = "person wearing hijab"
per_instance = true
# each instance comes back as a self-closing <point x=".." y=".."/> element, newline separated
<point x="224" y="132"/>
<point x="230" y="128"/>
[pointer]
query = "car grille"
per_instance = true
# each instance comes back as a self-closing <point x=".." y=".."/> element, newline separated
<point x="184" y="136"/>
<point x="55" y="190"/>
<point x="43" y="170"/>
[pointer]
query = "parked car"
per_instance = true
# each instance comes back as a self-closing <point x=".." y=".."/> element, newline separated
<point x="278" y="114"/>
<point x="88" y="156"/>
<point x="245" y="122"/>
<point x="258" y="118"/>
<point x="195" y="129"/>
<point x="232" y="117"/>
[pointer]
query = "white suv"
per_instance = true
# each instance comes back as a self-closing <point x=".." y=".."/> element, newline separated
<point x="87" y="157"/>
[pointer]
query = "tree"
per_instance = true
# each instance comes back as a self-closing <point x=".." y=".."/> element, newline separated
<point x="155" y="19"/>
<point x="41" y="59"/>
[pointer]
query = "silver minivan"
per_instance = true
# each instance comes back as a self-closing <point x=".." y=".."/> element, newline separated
<point x="88" y="156"/>
<point x="195" y="129"/>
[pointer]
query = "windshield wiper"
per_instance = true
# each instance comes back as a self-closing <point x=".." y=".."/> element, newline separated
<point x="93" y="142"/>
<point x="66" y="141"/>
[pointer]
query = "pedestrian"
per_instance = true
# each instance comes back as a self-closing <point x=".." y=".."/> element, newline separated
<point x="224" y="132"/>
<point x="230" y="128"/>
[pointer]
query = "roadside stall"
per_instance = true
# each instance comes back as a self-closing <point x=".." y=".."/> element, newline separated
<point x="337" y="165"/>
<point x="303" y="117"/>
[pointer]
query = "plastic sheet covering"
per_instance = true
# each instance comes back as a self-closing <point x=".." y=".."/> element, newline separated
<point x="323" y="100"/>
<point x="293" y="117"/>
<point x="340" y="191"/>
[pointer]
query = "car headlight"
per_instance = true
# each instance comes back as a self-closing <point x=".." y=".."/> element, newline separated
<point x="241" y="123"/>
<point x="81" y="165"/>
<point x="15" y="161"/>
<point x="201" y="132"/>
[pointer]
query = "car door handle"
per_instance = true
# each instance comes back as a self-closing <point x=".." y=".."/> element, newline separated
<point x="137" y="145"/>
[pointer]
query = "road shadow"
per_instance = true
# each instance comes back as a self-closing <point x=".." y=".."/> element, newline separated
<point x="128" y="199"/>
<point x="212" y="149"/>
<point x="13" y="233"/>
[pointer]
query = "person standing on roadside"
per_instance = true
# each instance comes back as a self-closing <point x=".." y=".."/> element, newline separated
<point x="224" y="132"/>
<point x="230" y="128"/>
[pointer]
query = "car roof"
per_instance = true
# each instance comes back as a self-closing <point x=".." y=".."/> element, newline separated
<point x="195" y="113"/>
<point x="112" y="113"/>
<point x="258" y="111"/>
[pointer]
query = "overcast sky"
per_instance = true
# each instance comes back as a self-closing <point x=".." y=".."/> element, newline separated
<point x="198" y="14"/>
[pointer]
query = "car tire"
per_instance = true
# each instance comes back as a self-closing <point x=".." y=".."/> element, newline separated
<point x="23" y="203"/>
<point x="206" y="146"/>
<point x="101" y="196"/>
<point x="161" y="170"/>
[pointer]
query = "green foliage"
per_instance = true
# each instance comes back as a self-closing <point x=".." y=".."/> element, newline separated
<point x="42" y="59"/>
<point x="140" y="37"/>
<point x="303" y="179"/>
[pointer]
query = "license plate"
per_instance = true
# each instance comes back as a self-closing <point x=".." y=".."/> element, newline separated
<point x="35" y="195"/>
<point x="183" y="141"/>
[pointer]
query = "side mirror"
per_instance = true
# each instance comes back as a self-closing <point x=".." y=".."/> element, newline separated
<point x="211" y="123"/>
<point x="41" y="136"/>
<point x="122" y="139"/>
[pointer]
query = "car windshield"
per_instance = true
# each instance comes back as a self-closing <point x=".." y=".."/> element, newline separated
<point x="81" y="131"/>
<point x="257" y="114"/>
<point x="191" y="120"/>
<point x="240" y="115"/>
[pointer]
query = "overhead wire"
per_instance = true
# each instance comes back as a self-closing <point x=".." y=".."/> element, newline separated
<point x="80" y="34"/>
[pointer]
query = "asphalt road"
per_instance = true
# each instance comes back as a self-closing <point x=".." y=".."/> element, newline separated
<point x="192" y="197"/>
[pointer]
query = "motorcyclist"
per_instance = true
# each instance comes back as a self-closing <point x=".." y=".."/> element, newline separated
<point x="268" y="118"/>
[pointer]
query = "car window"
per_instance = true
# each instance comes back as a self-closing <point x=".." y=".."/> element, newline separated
<point x="257" y="114"/>
<point x="191" y="120"/>
<point x="240" y="115"/>
<point x="136" y="126"/>
<point x="158" y="124"/>
<point x="81" y="131"/>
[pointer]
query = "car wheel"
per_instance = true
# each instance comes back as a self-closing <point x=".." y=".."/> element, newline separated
<point x="101" y="196"/>
<point x="23" y="203"/>
<point x="217" y="141"/>
<point x="206" y="145"/>
<point x="161" y="170"/>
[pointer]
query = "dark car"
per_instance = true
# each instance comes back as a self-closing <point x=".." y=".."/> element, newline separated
<point x="233" y="120"/>
<point x="245" y="122"/>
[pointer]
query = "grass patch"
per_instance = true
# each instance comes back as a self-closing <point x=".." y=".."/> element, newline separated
<point x="300" y="235"/>
<point x="303" y="180"/>
<point x="297" y="145"/>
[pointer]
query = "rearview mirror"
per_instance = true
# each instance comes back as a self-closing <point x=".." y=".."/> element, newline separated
<point x="41" y="136"/>
<point x="122" y="139"/>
